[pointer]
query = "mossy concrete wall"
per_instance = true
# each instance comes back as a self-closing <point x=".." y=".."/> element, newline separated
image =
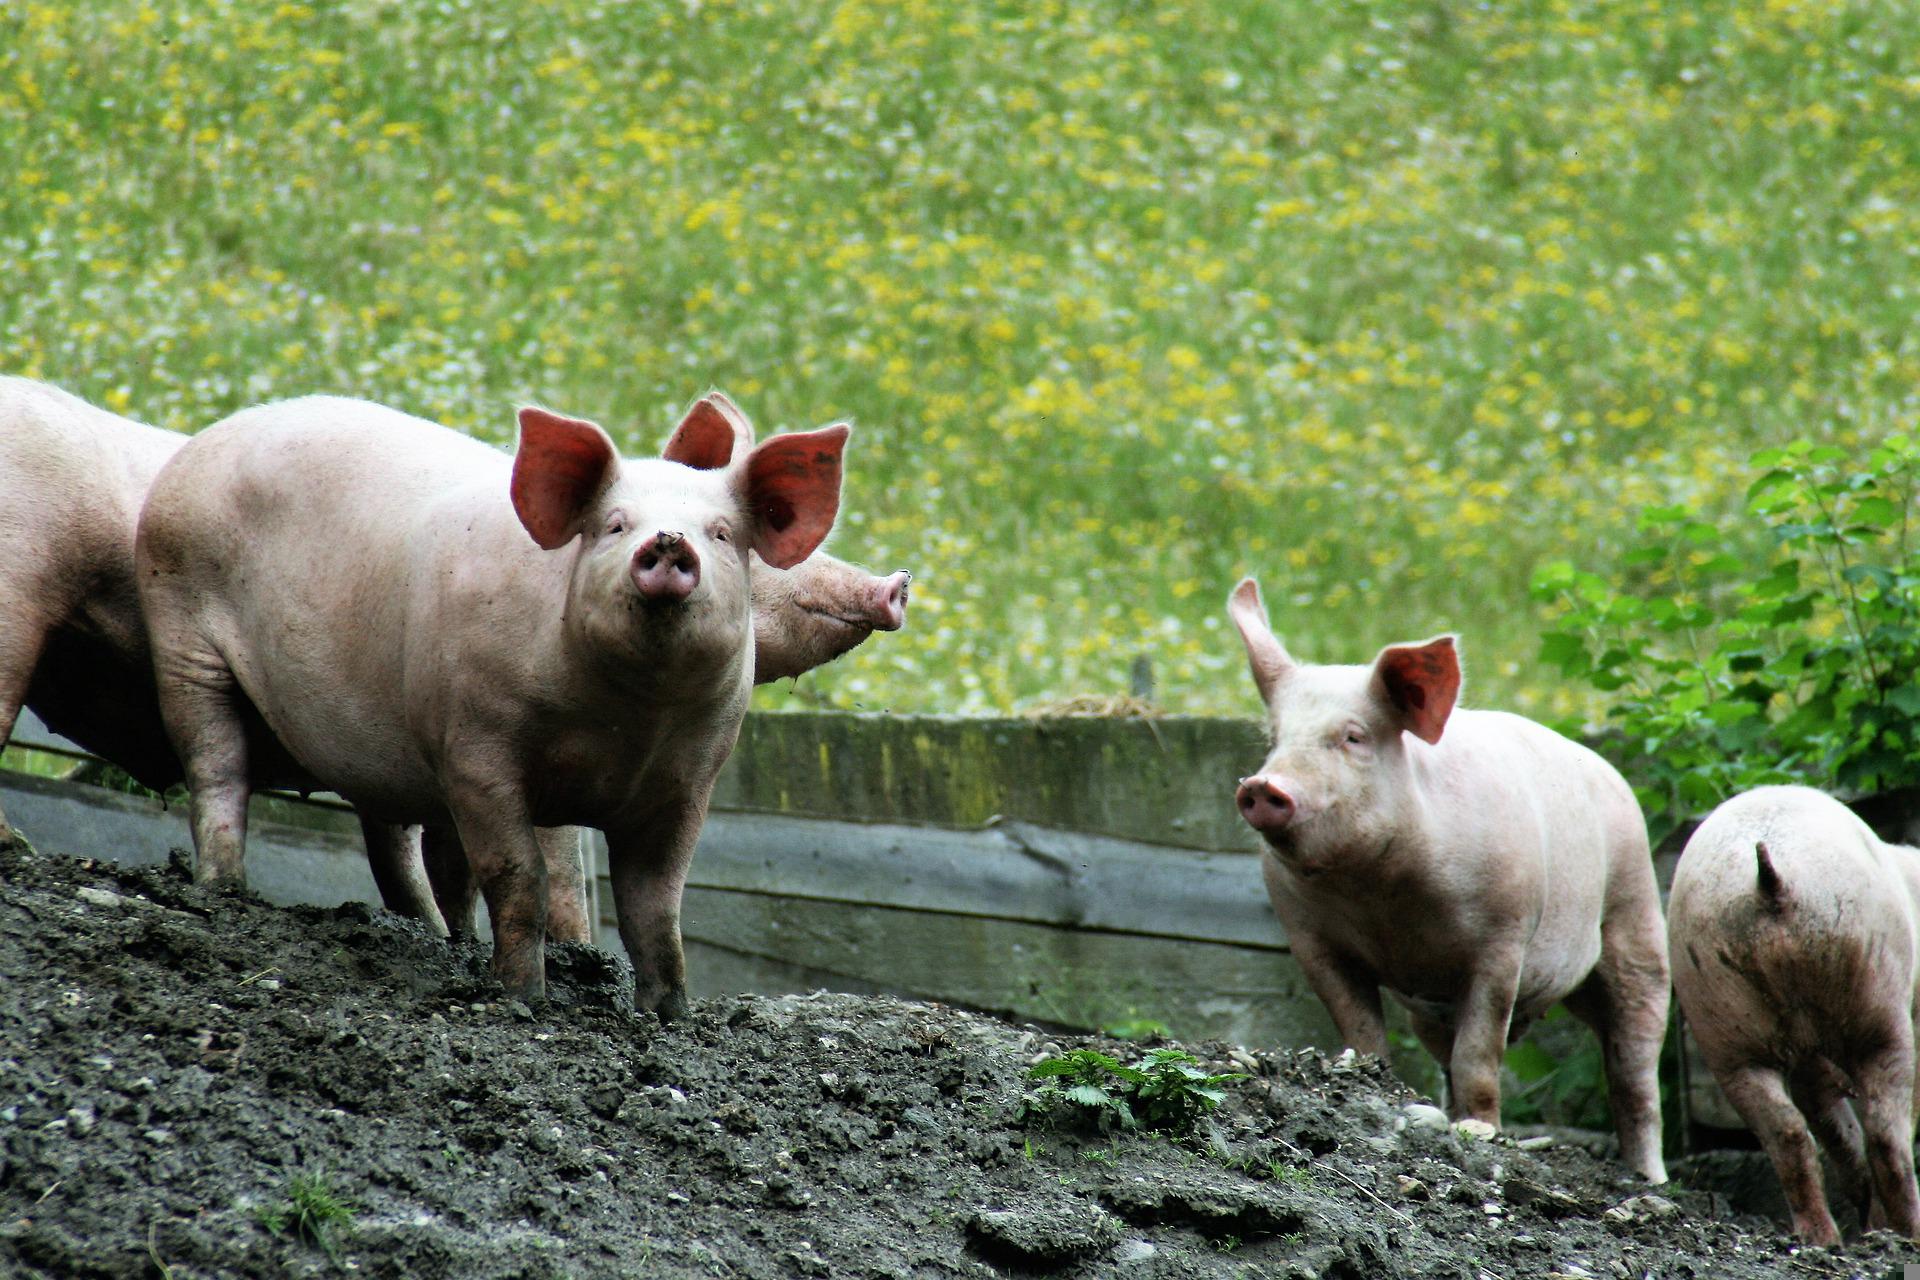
<point x="1160" y="781"/>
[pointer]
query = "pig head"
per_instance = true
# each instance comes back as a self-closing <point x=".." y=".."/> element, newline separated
<point x="1476" y="865"/>
<point x="485" y="646"/>
<point x="1795" y="934"/>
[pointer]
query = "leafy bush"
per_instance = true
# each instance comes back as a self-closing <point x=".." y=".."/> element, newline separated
<point x="1166" y="1089"/>
<point x="1723" y="680"/>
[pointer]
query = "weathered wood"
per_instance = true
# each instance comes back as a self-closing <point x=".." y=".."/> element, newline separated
<point x="1009" y="870"/>
<point x="1070" y="976"/>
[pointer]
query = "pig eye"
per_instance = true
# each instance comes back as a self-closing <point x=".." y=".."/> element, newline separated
<point x="616" y="524"/>
<point x="722" y="532"/>
<point x="1356" y="736"/>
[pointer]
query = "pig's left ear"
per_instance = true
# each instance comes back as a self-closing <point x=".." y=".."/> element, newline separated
<point x="1421" y="682"/>
<point x="711" y="436"/>
<point x="791" y="487"/>
<point x="560" y="470"/>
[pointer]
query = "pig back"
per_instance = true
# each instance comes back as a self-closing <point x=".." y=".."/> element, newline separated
<point x="1815" y="958"/>
<point x="301" y="544"/>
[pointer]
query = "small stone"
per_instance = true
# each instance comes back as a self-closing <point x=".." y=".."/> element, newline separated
<point x="519" y="1009"/>
<point x="1477" y="1129"/>
<point x="1420" y="1116"/>
<point x="1650" y="1208"/>
<point x="1135" y="1251"/>
<point x="1539" y="1142"/>
<point x="1244" y="1060"/>
<point x="1491" y="1209"/>
<point x="82" y="1120"/>
<point x="159" y="1137"/>
<point x="1412" y="1188"/>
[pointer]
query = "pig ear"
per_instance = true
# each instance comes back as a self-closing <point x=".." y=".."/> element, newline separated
<point x="792" y="488"/>
<point x="1421" y="681"/>
<point x="561" y="468"/>
<point x="1265" y="655"/>
<point x="712" y="434"/>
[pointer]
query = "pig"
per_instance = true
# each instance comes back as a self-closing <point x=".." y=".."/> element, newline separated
<point x="1793" y="930"/>
<point x="1480" y="876"/>
<point x="72" y="644"/>
<point x="451" y="637"/>
<point x="802" y="617"/>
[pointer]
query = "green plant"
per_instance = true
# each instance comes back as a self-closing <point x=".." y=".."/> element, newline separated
<point x="1135" y="1027"/>
<point x="1722" y="679"/>
<point x="312" y="1210"/>
<point x="1165" y="1089"/>
<point x="1291" y="1174"/>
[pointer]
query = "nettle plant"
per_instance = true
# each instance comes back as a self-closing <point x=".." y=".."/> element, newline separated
<point x="1720" y="680"/>
<point x="1165" y="1090"/>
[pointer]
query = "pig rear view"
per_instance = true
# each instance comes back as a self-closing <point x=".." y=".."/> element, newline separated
<point x="1475" y="864"/>
<point x="1793" y="931"/>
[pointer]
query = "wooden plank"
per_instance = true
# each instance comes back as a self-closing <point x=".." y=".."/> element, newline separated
<point x="1009" y="871"/>
<point x="1074" y="977"/>
<point x="285" y="863"/>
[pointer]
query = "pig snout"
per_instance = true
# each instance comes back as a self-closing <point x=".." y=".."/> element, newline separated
<point x="1266" y="807"/>
<point x="666" y="568"/>
<point x="890" y="601"/>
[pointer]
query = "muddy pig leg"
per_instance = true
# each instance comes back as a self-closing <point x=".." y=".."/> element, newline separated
<point x="20" y="646"/>
<point x="506" y="860"/>
<point x="1886" y="1094"/>
<point x="1628" y="1013"/>
<point x="393" y="855"/>
<point x="199" y="701"/>
<point x="451" y="878"/>
<point x="567" y="909"/>
<point x="1820" y="1091"/>
<point x="1760" y="1096"/>
<point x="649" y="870"/>
<point x="1480" y="1040"/>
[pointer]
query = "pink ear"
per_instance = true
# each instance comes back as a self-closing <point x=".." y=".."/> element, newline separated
<point x="1266" y="657"/>
<point x="793" y="491"/>
<point x="713" y="431"/>
<point x="563" y="464"/>
<point x="1421" y="681"/>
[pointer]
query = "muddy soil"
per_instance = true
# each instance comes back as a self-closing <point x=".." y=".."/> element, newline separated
<point x="171" y="1061"/>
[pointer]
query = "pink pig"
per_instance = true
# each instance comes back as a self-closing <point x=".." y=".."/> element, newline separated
<point x="444" y="636"/>
<point x="1480" y="876"/>
<point x="1796" y="957"/>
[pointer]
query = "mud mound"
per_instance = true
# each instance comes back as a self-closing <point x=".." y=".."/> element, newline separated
<point x="176" y="1066"/>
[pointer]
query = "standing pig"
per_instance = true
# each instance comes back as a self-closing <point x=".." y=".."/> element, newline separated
<point x="1480" y="877"/>
<point x="1795" y="960"/>
<point x="446" y="636"/>
<point x="802" y="617"/>
<point x="72" y="644"/>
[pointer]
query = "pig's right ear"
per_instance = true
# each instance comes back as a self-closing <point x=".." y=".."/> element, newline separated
<point x="711" y="436"/>
<point x="1266" y="657"/>
<point x="560" y="470"/>
<point x="792" y="489"/>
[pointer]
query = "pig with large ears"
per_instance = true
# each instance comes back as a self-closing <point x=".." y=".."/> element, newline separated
<point x="446" y="636"/>
<point x="1474" y="864"/>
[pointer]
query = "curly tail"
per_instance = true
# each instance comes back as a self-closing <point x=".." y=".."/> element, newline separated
<point x="1772" y="892"/>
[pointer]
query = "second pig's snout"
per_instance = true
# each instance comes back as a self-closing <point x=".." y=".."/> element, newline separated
<point x="666" y="568"/>
<point x="1266" y="807"/>
<point x="890" y="601"/>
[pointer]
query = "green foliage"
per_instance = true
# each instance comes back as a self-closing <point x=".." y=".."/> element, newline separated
<point x="1166" y="1089"/>
<point x="1722" y="678"/>
<point x="312" y="1210"/>
<point x="1561" y="1082"/>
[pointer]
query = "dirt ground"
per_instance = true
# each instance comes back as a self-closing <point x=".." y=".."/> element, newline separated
<point x="171" y="1061"/>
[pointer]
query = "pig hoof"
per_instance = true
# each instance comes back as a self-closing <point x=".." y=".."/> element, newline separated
<point x="672" y="1006"/>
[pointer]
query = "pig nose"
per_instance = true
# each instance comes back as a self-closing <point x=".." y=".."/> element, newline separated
<point x="1264" y="805"/>
<point x="666" y="567"/>
<point x="890" y="601"/>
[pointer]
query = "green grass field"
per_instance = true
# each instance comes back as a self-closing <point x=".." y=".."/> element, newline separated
<point x="1384" y="302"/>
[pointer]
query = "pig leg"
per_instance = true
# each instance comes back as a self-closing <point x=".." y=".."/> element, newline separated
<point x="393" y="855"/>
<point x="19" y="653"/>
<point x="649" y="870"/>
<point x="450" y="876"/>
<point x="1886" y="1094"/>
<point x="1820" y="1091"/>
<point x="506" y="859"/>
<point x="199" y="702"/>
<point x="1760" y="1096"/>
<point x="1350" y="992"/>
<point x="566" y="884"/>
<point x="1629" y="1028"/>
<point x="1437" y="1037"/>
<point x="1480" y="1040"/>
